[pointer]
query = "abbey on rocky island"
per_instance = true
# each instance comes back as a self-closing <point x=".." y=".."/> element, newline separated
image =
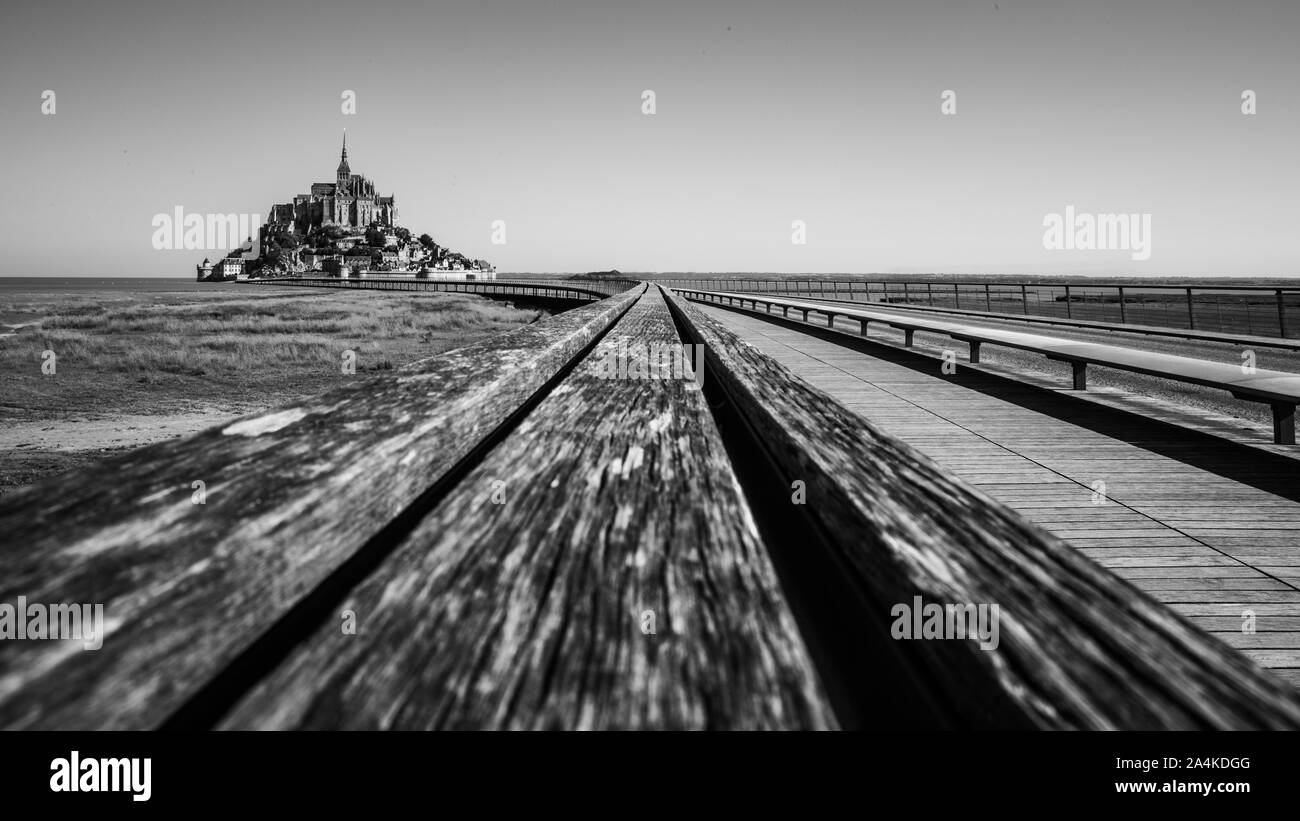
<point x="340" y="228"/>
<point x="350" y="201"/>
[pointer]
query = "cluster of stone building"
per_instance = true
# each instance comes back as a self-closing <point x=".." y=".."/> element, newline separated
<point x="234" y="266"/>
<point x="350" y="202"/>
<point x="228" y="268"/>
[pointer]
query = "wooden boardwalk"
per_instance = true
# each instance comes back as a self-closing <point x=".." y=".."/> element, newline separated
<point x="547" y="530"/>
<point x="1211" y="547"/>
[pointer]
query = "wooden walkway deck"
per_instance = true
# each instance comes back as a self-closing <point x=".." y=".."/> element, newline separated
<point x="1213" y="548"/>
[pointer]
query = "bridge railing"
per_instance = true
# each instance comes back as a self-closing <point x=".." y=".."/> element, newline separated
<point x="1252" y="310"/>
<point x="1278" y="389"/>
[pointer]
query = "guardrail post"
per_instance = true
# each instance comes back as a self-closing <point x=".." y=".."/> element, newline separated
<point x="1069" y="310"/>
<point x="929" y="291"/>
<point x="1191" y="314"/>
<point x="974" y="350"/>
<point x="1284" y="424"/>
<point x="1122" y="316"/>
<point x="862" y="327"/>
<point x="1024" y="299"/>
<point x="1080" y="375"/>
<point x="907" y="336"/>
<point x="988" y="300"/>
<point x="956" y="294"/>
<point x="1281" y="315"/>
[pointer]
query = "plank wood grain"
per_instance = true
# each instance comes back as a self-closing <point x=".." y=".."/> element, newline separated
<point x="521" y="600"/>
<point x="1079" y="648"/>
<point x="290" y="495"/>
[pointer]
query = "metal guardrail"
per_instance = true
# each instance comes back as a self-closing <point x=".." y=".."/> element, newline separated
<point x="1255" y="310"/>
<point x="1279" y="389"/>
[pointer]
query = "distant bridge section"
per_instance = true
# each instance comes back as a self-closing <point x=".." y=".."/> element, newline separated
<point x="555" y="292"/>
<point x="1253" y="310"/>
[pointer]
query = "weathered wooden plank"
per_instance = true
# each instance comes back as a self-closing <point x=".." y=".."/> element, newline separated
<point x="1281" y="640"/>
<point x="1260" y="583"/>
<point x="1193" y="596"/>
<point x="290" y="496"/>
<point x="1289" y="675"/>
<point x="1104" y="554"/>
<point x="1079" y="647"/>
<point x="1289" y="657"/>
<point x="1233" y="623"/>
<point x="616" y="500"/>
<point x="1207" y="570"/>
<point x="1246" y="604"/>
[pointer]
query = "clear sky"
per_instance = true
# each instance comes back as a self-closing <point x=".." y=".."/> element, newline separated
<point x="766" y="113"/>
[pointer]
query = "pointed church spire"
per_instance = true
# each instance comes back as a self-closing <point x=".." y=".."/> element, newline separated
<point x="344" y="171"/>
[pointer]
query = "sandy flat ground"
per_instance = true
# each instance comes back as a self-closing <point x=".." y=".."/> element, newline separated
<point x="81" y="434"/>
<point x="32" y="451"/>
<point x="73" y="435"/>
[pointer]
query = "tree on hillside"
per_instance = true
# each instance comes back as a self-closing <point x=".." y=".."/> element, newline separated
<point x="427" y="242"/>
<point x="375" y="238"/>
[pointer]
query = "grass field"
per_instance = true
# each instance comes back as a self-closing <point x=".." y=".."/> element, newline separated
<point x="131" y="368"/>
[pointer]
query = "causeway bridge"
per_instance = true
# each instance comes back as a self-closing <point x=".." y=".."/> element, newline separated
<point x="514" y="535"/>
